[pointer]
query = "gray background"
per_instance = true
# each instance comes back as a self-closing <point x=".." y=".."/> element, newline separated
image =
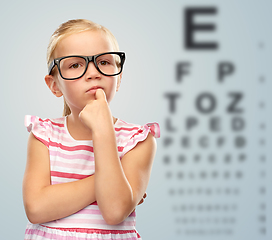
<point x="151" y="34"/>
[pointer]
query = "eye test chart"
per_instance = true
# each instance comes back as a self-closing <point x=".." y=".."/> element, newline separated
<point x="216" y="131"/>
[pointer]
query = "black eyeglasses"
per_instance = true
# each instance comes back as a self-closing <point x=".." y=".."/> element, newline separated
<point x="74" y="67"/>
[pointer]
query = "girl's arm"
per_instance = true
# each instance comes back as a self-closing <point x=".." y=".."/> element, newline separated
<point x="119" y="185"/>
<point x="44" y="202"/>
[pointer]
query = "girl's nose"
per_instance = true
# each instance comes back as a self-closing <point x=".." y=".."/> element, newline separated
<point x="92" y="72"/>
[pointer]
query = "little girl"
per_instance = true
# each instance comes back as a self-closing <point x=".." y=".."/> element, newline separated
<point x="87" y="171"/>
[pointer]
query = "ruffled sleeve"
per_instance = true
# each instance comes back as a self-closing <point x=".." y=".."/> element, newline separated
<point x="128" y="135"/>
<point x="41" y="128"/>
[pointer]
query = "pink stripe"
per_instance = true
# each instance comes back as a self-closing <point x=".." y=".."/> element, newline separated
<point x="59" y="180"/>
<point x="123" y="134"/>
<point x="81" y="221"/>
<point x="77" y="148"/>
<point x="74" y="148"/>
<point x="68" y="175"/>
<point x="56" y="129"/>
<point x="97" y="211"/>
<point x="49" y="236"/>
<point x="74" y="156"/>
<point x="55" y="182"/>
<point x="126" y="129"/>
<point x="140" y="139"/>
<point x="73" y="165"/>
<point x="94" y="230"/>
<point x="89" y="211"/>
<point x="54" y="123"/>
<point x="154" y="129"/>
<point x="56" y="236"/>
<point x="91" y="221"/>
<point x="137" y="133"/>
<point x="41" y="233"/>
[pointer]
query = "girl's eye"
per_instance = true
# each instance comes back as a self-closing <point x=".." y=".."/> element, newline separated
<point x="103" y="63"/>
<point x="75" y="65"/>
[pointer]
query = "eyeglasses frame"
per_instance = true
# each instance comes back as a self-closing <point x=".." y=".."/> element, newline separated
<point x="88" y="59"/>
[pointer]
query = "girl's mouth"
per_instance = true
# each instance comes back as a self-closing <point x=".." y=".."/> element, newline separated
<point x="93" y="89"/>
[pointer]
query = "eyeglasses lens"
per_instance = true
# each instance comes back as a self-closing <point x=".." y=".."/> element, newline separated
<point x="74" y="67"/>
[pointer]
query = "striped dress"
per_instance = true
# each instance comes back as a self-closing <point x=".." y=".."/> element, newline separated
<point x="71" y="160"/>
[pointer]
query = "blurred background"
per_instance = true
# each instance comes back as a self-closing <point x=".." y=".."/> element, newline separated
<point x="201" y="69"/>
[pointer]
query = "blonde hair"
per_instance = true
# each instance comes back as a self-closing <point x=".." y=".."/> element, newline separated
<point x="71" y="27"/>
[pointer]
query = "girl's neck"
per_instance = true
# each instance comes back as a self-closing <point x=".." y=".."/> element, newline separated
<point x="77" y="129"/>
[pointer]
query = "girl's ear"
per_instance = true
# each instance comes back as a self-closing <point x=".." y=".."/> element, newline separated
<point x="53" y="86"/>
<point x="119" y="81"/>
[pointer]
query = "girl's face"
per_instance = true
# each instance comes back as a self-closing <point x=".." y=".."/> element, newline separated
<point x="77" y="92"/>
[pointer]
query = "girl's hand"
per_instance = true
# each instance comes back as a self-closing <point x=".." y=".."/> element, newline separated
<point x="142" y="200"/>
<point x="96" y="114"/>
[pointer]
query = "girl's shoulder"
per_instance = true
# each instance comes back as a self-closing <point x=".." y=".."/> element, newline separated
<point x="123" y="128"/>
<point x="129" y="134"/>
<point x="42" y="128"/>
<point x="32" y="122"/>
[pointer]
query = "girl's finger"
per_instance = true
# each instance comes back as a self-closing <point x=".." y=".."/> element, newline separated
<point x="100" y="94"/>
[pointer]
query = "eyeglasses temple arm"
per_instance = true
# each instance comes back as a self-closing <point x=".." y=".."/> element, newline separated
<point x="52" y="64"/>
